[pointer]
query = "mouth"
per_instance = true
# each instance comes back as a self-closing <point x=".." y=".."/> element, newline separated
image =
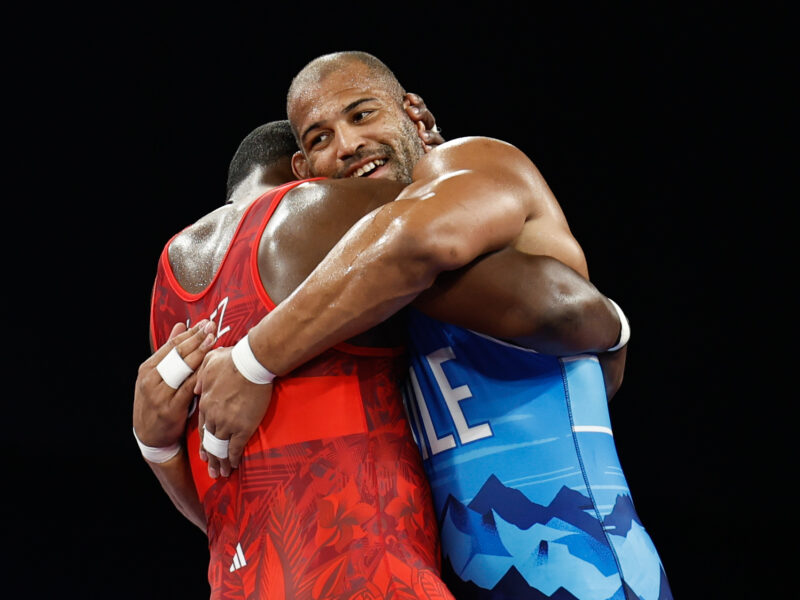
<point x="368" y="168"/>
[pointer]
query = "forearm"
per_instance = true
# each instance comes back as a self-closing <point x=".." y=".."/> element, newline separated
<point x="582" y="322"/>
<point x="535" y="301"/>
<point x="376" y="269"/>
<point x="176" y="480"/>
<point x="383" y="263"/>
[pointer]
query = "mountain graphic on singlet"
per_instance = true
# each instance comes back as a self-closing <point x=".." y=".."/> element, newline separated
<point x="500" y="526"/>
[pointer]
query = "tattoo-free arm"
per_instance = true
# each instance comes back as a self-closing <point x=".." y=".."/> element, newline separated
<point x="159" y="415"/>
<point x="469" y="197"/>
<point x="176" y="480"/>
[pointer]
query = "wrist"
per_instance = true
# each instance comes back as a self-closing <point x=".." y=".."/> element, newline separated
<point x="248" y="365"/>
<point x="157" y="454"/>
<point x="625" y="328"/>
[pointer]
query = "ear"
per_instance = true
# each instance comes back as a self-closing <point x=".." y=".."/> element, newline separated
<point x="300" y="165"/>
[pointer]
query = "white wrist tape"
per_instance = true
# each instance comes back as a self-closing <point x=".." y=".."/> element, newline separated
<point x="157" y="455"/>
<point x="247" y="363"/>
<point x="625" y="331"/>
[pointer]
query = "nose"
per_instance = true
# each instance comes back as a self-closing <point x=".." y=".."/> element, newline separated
<point x="348" y="141"/>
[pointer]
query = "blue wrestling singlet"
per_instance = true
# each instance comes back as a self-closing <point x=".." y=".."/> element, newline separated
<point x="528" y="489"/>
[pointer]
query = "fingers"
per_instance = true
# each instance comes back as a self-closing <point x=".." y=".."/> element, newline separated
<point x="178" y="336"/>
<point x="210" y="445"/>
<point x="198" y="386"/>
<point x="430" y="139"/>
<point x="173" y="341"/>
<point x="193" y="349"/>
<point x="213" y="464"/>
<point x="177" y="329"/>
<point x="236" y="449"/>
<point x="418" y="111"/>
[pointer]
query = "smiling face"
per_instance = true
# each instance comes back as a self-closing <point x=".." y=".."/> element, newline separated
<point x="352" y="123"/>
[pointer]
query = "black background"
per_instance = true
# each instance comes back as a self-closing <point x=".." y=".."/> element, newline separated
<point x="660" y="131"/>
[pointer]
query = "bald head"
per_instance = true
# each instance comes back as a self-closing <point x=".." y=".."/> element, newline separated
<point x="347" y="112"/>
<point x="364" y="70"/>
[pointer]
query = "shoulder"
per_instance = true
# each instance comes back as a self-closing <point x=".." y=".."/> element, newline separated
<point x="201" y="240"/>
<point x="340" y="196"/>
<point x="476" y="145"/>
<point x="343" y="187"/>
<point x="490" y="157"/>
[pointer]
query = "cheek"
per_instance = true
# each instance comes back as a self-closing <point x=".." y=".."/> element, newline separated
<point x="319" y="162"/>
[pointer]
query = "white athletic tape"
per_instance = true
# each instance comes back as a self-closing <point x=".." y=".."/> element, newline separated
<point x="214" y="445"/>
<point x="247" y="363"/>
<point x="157" y="455"/>
<point x="173" y="369"/>
<point x="625" y="331"/>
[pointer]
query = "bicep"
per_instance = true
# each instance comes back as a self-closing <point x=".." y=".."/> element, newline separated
<point x="549" y="235"/>
<point x="504" y="294"/>
<point x="534" y="301"/>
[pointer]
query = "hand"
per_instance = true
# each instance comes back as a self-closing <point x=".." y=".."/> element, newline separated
<point x="159" y="411"/>
<point x="423" y="118"/>
<point x="230" y="407"/>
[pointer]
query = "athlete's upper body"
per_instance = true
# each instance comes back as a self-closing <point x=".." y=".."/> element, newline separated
<point x="308" y="219"/>
<point x="330" y="499"/>
<point x="466" y="198"/>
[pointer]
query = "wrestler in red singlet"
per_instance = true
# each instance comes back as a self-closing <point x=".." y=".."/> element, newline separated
<point x="330" y="500"/>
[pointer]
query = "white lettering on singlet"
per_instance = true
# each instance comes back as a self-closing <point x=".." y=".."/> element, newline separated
<point x="221" y="310"/>
<point x="437" y="444"/>
<point x="452" y="398"/>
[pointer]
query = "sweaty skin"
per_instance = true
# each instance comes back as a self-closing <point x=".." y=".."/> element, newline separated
<point x="310" y="220"/>
<point x="469" y="197"/>
<point x="159" y="413"/>
<point x="155" y="407"/>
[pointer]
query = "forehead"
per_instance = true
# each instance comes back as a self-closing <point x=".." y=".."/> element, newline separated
<point x="327" y="96"/>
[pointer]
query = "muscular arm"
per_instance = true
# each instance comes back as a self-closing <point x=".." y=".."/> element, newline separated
<point x="534" y="301"/>
<point x="175" y="477"/>
<point x="469" y="198"/>
<point x="159" y="415"/>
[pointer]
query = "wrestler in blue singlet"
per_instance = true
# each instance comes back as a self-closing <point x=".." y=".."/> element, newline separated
<point x="529" y="492"/>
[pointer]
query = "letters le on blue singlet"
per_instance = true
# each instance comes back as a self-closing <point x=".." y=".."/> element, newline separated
<point x="528" y="489"/>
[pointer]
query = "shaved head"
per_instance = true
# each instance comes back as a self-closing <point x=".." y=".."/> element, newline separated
<point x="348" y="114"/>
<point x="315" y="72"/>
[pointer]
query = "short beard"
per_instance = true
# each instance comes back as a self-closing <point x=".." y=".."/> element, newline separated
<point x="401" y="161"/>
<point x="410" y="150"/>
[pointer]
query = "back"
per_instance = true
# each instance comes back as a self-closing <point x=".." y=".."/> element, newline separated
<point x="330" y="497"/>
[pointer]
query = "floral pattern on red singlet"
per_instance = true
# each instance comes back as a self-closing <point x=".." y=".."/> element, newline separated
<point x="342" y="518"/>
<point x="330" y="500"/>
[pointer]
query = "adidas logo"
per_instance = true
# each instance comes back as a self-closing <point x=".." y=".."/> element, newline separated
<point x="238" y="559"/>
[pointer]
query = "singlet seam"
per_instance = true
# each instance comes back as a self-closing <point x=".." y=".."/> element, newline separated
<point x="261" y="291"/>
<point x="589" y="491"/>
